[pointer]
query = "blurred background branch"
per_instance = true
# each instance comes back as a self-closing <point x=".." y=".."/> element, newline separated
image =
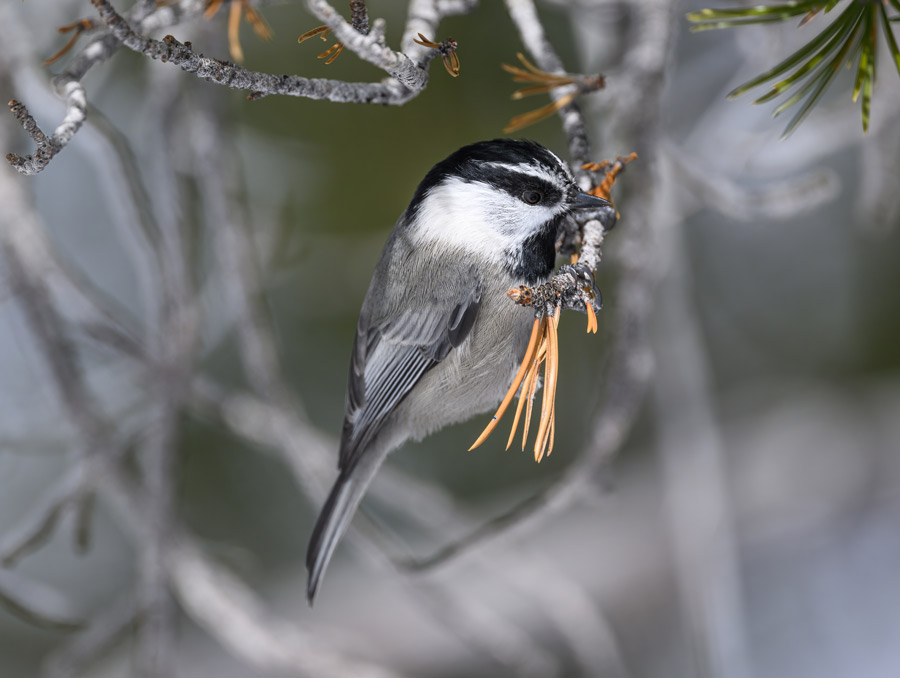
<point x="853" y="34"/>
<point x="162" y="320"/>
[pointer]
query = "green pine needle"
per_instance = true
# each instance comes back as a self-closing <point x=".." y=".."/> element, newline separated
<point x="851" y="37"/>
<point x="827" y="40"/>
<point x="889" y="36"/>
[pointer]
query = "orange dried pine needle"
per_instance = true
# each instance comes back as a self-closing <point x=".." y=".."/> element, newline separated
<point x="234" y="32"/>
<point x="543" y="346"/>
<point x="602" y="189"/>
<point x="530" y="118"/>
<point x="526" y="387"/>
<point x="544" y="82"/>
<point x="520" y="375"/>
<point x="321" y="31"/>
<point x="257" y="22"/>
<point x="551" y="372"/>
<point x="451" y="63"/>
<point x="79" y="27"/>
<point x="592" y="319"/>
<point x="211" y="8"/>
<point x="533" y="381"/>
<point x="332" y="53"/>
<point x="532" y="73"/>
<point x="329" y="54"/>
<point x="448" y="52"/>
<point x="236" y="9"/>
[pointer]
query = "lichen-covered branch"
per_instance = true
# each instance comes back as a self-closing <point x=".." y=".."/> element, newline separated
<point x="408" y="69"/>
<point x="259" y="84"/>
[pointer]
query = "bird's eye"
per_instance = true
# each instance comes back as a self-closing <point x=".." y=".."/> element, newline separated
<point x="532" y="197"/>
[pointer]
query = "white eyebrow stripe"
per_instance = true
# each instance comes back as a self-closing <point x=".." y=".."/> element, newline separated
<point x="562" y="164"/>
<point x="530" y="170"/>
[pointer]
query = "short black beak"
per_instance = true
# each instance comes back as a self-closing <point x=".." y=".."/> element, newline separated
<point x="588" y="201"/>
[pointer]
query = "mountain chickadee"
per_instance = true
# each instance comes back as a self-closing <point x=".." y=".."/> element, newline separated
<point x="438" y="340"/>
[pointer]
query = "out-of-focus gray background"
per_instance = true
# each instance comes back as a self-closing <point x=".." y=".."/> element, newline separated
<point x="747" y="526"/>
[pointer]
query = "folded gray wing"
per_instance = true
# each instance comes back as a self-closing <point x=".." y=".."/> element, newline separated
<point x="391" y="356"/>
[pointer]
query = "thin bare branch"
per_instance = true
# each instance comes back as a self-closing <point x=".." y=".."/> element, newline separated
<point x="408" y="68"/>
<point x="173" y="347"/>
<point x="524" y="15"/>
<point x="233" y="614"/>
<point x="104" y="630"/>
<point x="237" y="254"/>
<point x="37" y="603"/>
<point x="222" y="604"/>
<point x="37" y="527"/>
<point x="501" y="639"/>
<point x="259" y="84"/>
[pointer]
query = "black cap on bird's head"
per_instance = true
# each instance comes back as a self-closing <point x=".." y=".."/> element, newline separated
<point x="501" y="199"/>
<point x="521" y="167"/>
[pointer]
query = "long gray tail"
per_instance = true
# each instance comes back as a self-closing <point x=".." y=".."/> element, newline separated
<point x="333" y="521"/>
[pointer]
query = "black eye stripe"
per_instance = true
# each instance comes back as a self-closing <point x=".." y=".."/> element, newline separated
<point x="516" y="184"/>
<point x="494" y="163"/>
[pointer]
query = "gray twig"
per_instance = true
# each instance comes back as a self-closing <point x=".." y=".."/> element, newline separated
<point x="172" y="348"/>
<point x="32" y="532"/>
<point x="230" y="75"/>
<point x="104" y="630"/>
<point x="408" y="69"/>
<point x="228" y="609"/>
<point x="37" y="603"/>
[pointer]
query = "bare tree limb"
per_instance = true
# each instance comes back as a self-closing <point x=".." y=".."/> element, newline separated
<point x="227" y="608"/>
<point x="38" y="526"/>
<point x="104" y="630"/>
<point x="260" y="84"/>
<point x="173" y="348"/>
<point x="232" y="613"/>
<point x="408" y="69"/>
<point x="569" y="605"/>
<point x="67" y="86"/>
<point x="37" y="603"/>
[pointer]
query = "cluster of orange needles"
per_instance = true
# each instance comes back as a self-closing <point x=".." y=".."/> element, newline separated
<point x="447" y="50"/>
<point x="542" y="82"/>
<point x="322" y="32"/>
<point x="543" y="346"/>
<point x="612" y="170"/>
<point x="253" y="17"/>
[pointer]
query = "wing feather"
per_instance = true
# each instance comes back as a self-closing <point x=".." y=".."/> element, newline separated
<point x="391" y="354"/>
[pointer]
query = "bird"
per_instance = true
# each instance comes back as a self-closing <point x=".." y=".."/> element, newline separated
<point x="438" y="340"/>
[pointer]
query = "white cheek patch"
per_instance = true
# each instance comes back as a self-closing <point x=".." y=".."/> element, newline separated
<point x="475" y="217"/>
